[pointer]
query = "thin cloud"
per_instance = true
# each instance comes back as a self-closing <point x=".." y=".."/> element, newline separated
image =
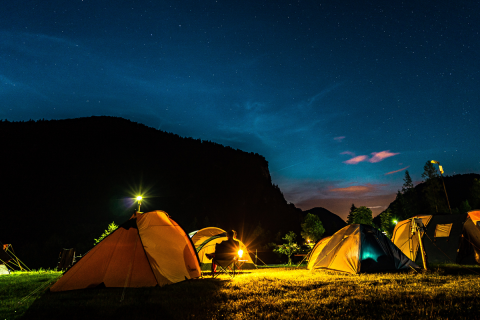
<point x="339" y="139"/>
<point x="359" y="189"/>
<point x="354" y="189"/>
<point x="356" y="160"/>
<point x="349" y="153"/>
<point x="379" y="156"/>
<point x="392" y="172"/>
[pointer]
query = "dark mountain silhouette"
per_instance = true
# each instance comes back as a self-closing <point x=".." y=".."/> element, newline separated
<point x="64" y="181"/>
<point x="459" y="188"/>
<point x="331" y="222"/>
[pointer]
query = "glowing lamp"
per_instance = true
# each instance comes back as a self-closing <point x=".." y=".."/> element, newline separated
<point x="139" y="199"/>
<point x="441" y="169"/>
<point x="240" y="253"/>
<point x="395" y="221"/>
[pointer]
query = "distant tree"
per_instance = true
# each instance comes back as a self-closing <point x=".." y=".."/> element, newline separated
<point x="350" y="214"/>
<point x="289" y="248"/>
<point x="363" y="215"/>
<point x="429" y="171"/>
<point x="408" y="184"/>
<point x="387" y="224"/>
<point x="432" y="189"/>
<point x="111" y="227"/>
<point x="312" y="228"/>
<point x="399" y="209"/>
<point x="464" y="207"/>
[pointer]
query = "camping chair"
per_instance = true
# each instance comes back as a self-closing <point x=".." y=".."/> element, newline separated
<point x="230" y="264"/>
<point x="66" y="259"/>
<point x="225" y="265"/>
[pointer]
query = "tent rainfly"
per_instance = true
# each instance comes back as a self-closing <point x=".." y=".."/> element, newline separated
<point x="449" y="238"/>
<point x="358" y="248"/>
<point x="205" y="240"/>
<point x="148" y="250"/>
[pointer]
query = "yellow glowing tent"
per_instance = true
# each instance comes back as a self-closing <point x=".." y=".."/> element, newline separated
<point x="449" y="238"/>
<point x="358" y="248"/>
<point x="205" y="241"/>
<point x="148" y="250"/>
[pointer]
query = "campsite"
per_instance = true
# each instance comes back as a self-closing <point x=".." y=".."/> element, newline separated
<point x="355" y="273"/>
<point x="288" y="263"/>
<point x="254" y="159"/>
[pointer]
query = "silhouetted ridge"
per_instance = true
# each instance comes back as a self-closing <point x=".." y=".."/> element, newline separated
<point x="66" y="180"/>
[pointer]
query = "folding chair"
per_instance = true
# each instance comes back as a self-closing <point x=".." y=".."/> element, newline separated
<point x="225" y="265"/>
<point x="66" y="259"/>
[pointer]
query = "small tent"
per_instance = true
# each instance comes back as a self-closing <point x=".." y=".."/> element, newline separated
<point x="358" y="248"/>
<point x="449" y="238"/>
<point x="4" y="258"/>
<point x="8" y="260"/>
<point x="205" y="241"/>
<point x="4" y="269"/>
<point x="148" y="250"/>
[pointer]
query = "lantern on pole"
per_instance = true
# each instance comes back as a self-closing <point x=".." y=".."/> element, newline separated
<point x="441" y="175"/>
<point x="139" y="200"/>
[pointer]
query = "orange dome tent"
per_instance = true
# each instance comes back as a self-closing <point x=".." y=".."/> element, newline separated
<point x="149" y="249"/>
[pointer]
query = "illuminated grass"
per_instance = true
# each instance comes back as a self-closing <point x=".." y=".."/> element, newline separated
<point x="449" y="292"/>
<point x="20" y="289"/>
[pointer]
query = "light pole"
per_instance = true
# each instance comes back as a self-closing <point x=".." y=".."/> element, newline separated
<point x="139" y="200"/>
<point x="441" y="175"/>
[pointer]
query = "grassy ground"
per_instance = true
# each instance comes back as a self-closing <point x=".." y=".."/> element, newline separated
<point x="447" y="292"/>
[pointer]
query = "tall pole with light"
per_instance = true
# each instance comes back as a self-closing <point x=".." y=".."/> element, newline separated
<point x="139" y="200"/>
<point x="441" y="175"/>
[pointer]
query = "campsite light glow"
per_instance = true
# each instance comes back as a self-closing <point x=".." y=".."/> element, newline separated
<point x="139" y="200"/>
<point x="240" y="253"/>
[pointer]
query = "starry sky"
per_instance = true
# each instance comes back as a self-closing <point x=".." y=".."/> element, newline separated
<point x="340" y="97"/>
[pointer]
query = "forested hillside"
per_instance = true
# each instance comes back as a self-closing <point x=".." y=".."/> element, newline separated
<point x="430" y="196"/>
<point x="64" y="181"/>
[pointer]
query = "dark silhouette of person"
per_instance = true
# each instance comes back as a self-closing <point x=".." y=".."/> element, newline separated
<point x="225" y="250"/>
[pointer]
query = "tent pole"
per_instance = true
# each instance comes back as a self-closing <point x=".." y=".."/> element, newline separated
<point x="304" y="258"/>
<point x="420" y="242"/>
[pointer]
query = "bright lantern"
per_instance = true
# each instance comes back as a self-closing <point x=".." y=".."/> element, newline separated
<point x="240" y="253"/>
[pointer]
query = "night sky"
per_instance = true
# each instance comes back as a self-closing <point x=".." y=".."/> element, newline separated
<point x="340" y="97"/>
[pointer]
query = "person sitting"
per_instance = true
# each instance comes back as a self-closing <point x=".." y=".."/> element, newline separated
<point x="225" y="250"/>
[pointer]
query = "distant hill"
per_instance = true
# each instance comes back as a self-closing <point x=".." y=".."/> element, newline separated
<point x="64" y="181"/>
<point x="331" y="222"/>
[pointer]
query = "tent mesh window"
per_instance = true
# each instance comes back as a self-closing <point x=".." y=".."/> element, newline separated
<point x="443" y="230"/>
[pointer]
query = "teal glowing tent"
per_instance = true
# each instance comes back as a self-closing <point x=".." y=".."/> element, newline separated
<point x="359" y="248"/>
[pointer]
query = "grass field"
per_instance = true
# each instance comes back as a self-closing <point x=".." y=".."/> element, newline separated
<point x="447" y="292"/>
